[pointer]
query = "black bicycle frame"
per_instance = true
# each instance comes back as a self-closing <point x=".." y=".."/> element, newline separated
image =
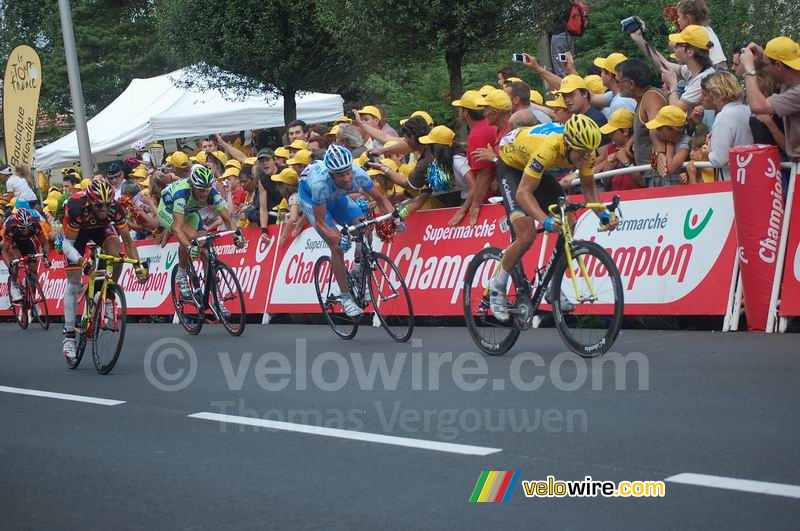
<point x="543" y="276"/>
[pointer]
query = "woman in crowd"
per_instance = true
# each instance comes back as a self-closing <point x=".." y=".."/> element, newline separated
<point x="723" y="94"/>
<point x="695" y="12"/>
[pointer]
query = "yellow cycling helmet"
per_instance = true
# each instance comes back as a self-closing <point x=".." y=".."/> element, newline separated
<point x="581" y="132"/>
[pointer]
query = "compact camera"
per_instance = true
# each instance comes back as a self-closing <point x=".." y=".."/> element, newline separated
<point x="630" y="24"/>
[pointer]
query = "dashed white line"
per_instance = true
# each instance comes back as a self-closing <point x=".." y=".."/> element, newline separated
<point x="452" y="448"/>
<point x="743" y="485"/>
<point x="61" y="396"/>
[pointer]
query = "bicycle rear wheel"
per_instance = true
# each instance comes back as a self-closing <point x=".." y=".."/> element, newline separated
<point x="83" y="333"/>
<point x="390" y="298"/>
<point x="19" y="308"/>
<point x="591" y="328"/>
<point x="109" y="334"/>
<point x="190" y="311"/>
<point x="38" y="304"/>
<point x="330" y="299"/>
<point x="228" y="299"/>
<point x="492" y="336"/>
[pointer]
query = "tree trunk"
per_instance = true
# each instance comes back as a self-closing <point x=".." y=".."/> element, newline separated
<point x="289" y="105"/>
<point x="454" y="60"/>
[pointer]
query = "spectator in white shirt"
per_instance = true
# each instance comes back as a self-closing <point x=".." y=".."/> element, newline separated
<point x="723" y="94"/>
<point x="695" y="12"/>
<point x="18" y="183"/>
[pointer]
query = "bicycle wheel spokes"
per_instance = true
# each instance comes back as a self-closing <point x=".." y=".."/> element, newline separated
<point x="19" y="308"/>
<point x="109" y="329"/>
<point x="189" y="311"/>
<point x="492" y="336"/>
<point x="587" y="300"/>
<point x="391" y="299"/>
<point x="330" y="299"/>
<point x="229" y="299"/>
<point x="37" y="302"/>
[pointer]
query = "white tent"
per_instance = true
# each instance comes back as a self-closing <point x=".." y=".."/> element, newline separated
<point x="157" y="108"/>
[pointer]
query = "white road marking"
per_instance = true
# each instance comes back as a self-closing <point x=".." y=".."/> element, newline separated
<point x="348" y="434"/>
<point x="744" y="485"/>
<point x="61" y="396"/>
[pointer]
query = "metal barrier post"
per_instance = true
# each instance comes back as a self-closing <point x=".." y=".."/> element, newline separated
<point x="776" y="280"/>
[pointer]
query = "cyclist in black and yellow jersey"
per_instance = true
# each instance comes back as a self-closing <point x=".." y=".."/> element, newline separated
<point x="529" y="161"/>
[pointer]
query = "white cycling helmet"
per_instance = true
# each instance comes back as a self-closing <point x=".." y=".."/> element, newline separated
<point x="338" y="158"/>
<point x="139" y="145"/>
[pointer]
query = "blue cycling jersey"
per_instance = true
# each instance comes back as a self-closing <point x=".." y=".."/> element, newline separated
<point x="317" y="186"/>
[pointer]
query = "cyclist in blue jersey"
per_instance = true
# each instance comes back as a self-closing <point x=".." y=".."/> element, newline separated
<point x="179" y="210"/>
<point x="324" y="191"/>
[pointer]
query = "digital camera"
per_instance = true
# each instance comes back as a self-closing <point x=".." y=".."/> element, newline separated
<point x="630" y="24"/>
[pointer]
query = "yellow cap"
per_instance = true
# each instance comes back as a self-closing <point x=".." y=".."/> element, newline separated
<point x="301" y="157"/>
<point x="536" y="97"/>
<point x="297" y="144"/>
<point x="424" y="115"/>
<point x="233" y="163"/>
<point x="220" y="156"/>
<point x="784" y="50"/>
<point x="696" y="36"/>
<point x="485" y="90"/>
<point x="557" y="103"/>
<point x="84" y="184"/>
<point x="283" y="153"/>
<point x="251" y="161"/>
<point x="406" y="169"/>
<point x="668" y="115"/>
<point x="287" y="176"/>
<point x="179" y="159"/>
<point x="334" y="130"/>
<point x="441" y="134"/>
<point x="389" y="163"/>
<point x="200" y="158"/>
<point x="470" y="100"/>
<point x="144" y="184"/>
<point x="343" y="119"/>
<point x="498" y="99"/>
<point x="620" y="119"/>
<point x="375" y="171"/>
<point x="514" y="80"/>
<point x="571" y="83"/>
<point x="283" y="205"/>
<point x="595" y="84"/>
<point x="609" y="64"/>
<point x="140" y="172"/>
<point x="372" y="111"/>
<point x="232" y="171"/>
<point x="50" y="205"/>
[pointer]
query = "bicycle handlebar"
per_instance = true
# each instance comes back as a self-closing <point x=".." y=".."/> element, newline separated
<point x="28" y="258"/>
<point x="346" y="230"/>
<point x="213" y="236"/>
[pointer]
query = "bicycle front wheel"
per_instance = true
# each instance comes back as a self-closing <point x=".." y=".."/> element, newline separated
<point x="587" y="299"/>
<point x="228" y="299"/>
<point x="330" y="299"/>
<point x="37" y="302"/>
<point x="390" y="298"/>
<point x="111" y="316"/>
<point x="83" y="333"/>
<point x="19" y="308"/>
<point x="491" y="335"/>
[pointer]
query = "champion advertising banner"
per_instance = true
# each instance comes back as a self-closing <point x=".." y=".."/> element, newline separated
<point x="790" y="291"/>
<point x="758" y="203"/>
<point x="21" y="86"/>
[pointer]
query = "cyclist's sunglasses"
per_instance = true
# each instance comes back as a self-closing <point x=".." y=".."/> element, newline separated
<point x="101" y="206"/>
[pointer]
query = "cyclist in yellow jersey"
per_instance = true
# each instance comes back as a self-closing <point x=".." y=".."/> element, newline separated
<point x="529" y="160"/>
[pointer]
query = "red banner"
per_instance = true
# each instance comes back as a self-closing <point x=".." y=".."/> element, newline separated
<point x="758" y="203"/>
<point x="790" y="291"/>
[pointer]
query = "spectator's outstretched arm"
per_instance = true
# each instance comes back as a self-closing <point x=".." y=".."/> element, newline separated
<point x="230" y="150"/>
<point x="552" y="80"/>
<point x="400" y="148"/>
<point x="658" y="60"/>
<point x="759" y="104"/>
<point x="263" y="211"/>
<point x="374" y="132"/>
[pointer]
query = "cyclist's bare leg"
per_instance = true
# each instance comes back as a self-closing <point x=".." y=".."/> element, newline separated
<point x="112" y="246"/>
<point x="525" y="231"/>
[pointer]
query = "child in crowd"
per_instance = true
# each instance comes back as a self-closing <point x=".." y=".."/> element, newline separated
<point x="286" y="184"/>
<point x="620" y="130"/>
<point x="698" y="152"/>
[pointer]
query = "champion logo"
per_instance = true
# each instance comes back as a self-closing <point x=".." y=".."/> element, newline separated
<point x="691" y="227"/>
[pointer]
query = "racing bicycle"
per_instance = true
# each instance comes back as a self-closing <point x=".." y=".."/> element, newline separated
<point x="586" y="296"/>
<point x="32" y="305"/>
<point x="388" y="292"/>
<point x="106" y="332"/>
<point x="219" y="293"/>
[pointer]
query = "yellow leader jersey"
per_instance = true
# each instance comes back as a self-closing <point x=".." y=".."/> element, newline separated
<point x="539" y="150"/>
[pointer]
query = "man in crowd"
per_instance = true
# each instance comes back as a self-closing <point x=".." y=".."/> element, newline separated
<point x="297" y="130"/>
<point x="208" y="145"/>
<point x="612" y="100"/>
<point x="481" y="134"/>
<point x="577" y="96"/>
<point x="522" y="112"/>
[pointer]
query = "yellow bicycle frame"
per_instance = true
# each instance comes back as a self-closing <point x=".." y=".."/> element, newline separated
<point x="108" y="278"/>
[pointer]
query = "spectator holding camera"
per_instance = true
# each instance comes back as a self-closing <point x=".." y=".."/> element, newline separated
<point x="781" y="63"/>
<point x="696" y="13"/>
<point x="723" y="94"/>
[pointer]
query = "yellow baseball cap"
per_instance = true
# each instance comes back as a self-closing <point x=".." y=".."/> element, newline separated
<point x="84" y="184"/>
<point x="609" y="64"/>
<point x="179" y="159"/>
<point x="297" y="144"/>
<point x="287" y="176"/>
<point x="693" y="35"/>
<point x="558" y="103"/>
<point x="362" y="160"/>
<point x="372" y="111"/>
<point x="498" y="99"/>
<point x="536" y="97"/>
<point x="595" y="84"/>
<point x="231" y="171"/>
<point x="220" y="156"/>
<point x="301" y="157"/>
<point x="620" y="119"/>
<point x="485" y="90"/>
<point x="50" y="205"/>
<point x="343" y="119"/>
<point x="200" y="158"/>
<point x="283" y="205"/>
<point x="332" y="132"/>
<point x="283" y="153"/>
<point x="785" y="50"/>
<point x="515" y="80"/>
<point x="571" y="83"/>
<point x="250" y="161"/>
<point x="139" y="172"/>
<point x="375" y="171"/>
<point x="471" y="99"/>
<point x="441" y="134"/>
<point x="389" y="163"/>
<point x="424" y="115"/>
<point x="233" y="163"/>
<point x="668" y="115"/>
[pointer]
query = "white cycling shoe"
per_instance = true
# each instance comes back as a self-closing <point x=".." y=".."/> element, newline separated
<point x="183" y="286"/>
<point x="497" y="302"/>
<point x="350" y="307"/>
<point x="69" y="348"/>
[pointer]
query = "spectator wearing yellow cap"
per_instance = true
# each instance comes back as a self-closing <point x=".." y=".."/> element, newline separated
<point x="560" y="112"/>
<point x="424" y="115"/>
<point x="180" y="164"/>
<point x="611" y="100"/>
<point x="481" y="134"/>
<point x="296" y="146"/>
<point x="281" y="156"/>
<point x="297" y="130"/>
<point x="577" y="97"/>
<point x="525" y="112"/>
<point x="781" y="59"/>
<point x="620" y="130"/>
<point x="695" y="12"/>
<point x="670" y="127"/>
<point x="373" y="134"/>
<point x="497" y="112"/>
<point x="300" y="160"/>
<point x="286" y="184"/>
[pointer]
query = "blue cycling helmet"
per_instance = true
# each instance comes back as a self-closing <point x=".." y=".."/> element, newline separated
<point x="338" y="158"/>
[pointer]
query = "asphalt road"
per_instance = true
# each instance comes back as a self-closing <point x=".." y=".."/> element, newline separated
<point x="690" y="402"/>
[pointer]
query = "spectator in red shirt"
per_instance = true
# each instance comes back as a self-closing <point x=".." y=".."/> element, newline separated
<point x="620" y="129"/>
<point x="481" y="134"/>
